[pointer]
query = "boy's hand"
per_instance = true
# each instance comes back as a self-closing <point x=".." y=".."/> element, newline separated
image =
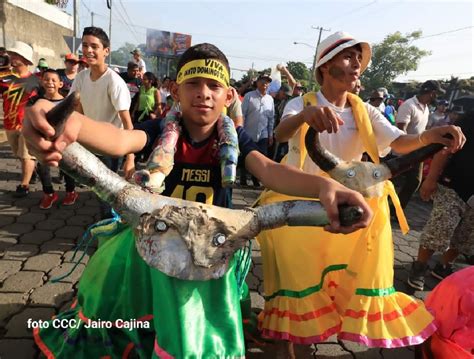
<point x="436" y="135"/>
<point x="333" y="194"/>
<point x="38" y="131"/>
<point x="322" y="119"/>
<point x="129" y="167"/>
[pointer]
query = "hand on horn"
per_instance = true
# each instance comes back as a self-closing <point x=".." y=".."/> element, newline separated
<point x="437" y="135"/>
<point x="333" y="194"/>
<point x="39" y="134"/>
<point x="322" y="119"/>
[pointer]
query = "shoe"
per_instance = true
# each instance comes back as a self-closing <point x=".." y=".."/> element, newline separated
<point x="21" y="191"/>
<point x="70" y="198"/>
<point x="442" y="271"/>
<point x="416" y="278"/>
<point x="48" y="200"/>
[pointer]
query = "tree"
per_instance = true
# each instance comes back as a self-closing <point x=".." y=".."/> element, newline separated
<point x="394" y="56"/>
<point x="299" y="70"/>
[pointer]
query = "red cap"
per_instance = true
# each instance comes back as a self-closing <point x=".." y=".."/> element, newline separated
<point x="71" y="57"/>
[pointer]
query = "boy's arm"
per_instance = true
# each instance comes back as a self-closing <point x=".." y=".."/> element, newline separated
<point x="430" y="183"/>
<point x="129" y="164"/>
<point x="99" y="137"/>
<point x="292" y="181"/>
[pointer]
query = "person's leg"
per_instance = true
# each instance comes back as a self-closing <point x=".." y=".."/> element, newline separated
<point x="436" y="234"/>
<point x="71" y="194"/>
<point x="114" y="165"/>
<point x="50" y="196"/>
<point x="412" y="182"/>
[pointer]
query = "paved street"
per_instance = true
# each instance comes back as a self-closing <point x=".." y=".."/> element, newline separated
<point x="37" y="245"/>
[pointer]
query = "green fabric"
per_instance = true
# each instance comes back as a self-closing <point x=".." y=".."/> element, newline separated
<point x="146" y="101"/>
<point x="310" y="290"/>
<point x="191" y="319"/>
<point x="378" y="292"/>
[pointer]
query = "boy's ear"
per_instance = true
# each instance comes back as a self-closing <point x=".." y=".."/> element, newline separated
<point x="61" y="84"/>
<point x="229" y="97"/>
<point x="174" y="91"/>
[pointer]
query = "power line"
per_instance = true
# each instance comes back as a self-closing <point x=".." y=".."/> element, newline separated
<point x="444" y="32"/>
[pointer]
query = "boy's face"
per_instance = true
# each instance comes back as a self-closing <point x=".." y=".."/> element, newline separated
<point x="51" y="83"/>
<point x="71" y="65"/>
<point x="17" y="61"/>
<point x="202" y="100"/>
<point x="343" y="69"/>
<point x="93" y="50"/>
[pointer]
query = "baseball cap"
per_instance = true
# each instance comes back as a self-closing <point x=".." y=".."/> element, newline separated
<point x="286" y="89"/>
<point x="375" y="95"/>
<point x="442" y="103"/>
<point x="136" y="51"/>
<point x="432" y="85"/>
<point x="71" y="57"/>
<point x="42" y="63"/>
<point x="264" y="76"/>
<point x="334" y="44"/>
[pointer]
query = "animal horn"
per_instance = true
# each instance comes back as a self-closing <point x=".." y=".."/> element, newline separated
<point x="322" y="157"/>
<point x="403" y="163"/>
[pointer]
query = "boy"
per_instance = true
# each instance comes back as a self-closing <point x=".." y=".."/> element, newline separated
<point x="18" y="87"/>
<point x="92" y="84"/>
<point x="332" y="284"/>
<point x="189" y="318"/>
<point x="52" y="84"/>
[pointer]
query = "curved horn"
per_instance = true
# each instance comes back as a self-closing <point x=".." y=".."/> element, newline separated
<point x="322" y="157"/>
<point x="403" y="163"/>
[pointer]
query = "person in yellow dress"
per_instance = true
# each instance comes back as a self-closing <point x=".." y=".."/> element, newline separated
<point x="318" y="283"/>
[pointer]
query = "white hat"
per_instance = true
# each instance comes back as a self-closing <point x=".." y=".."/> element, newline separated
<point x="334" y="44"/>
<point x="22" y="49"/>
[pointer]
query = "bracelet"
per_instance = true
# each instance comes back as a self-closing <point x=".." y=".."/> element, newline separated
<point x="420" y="139"/>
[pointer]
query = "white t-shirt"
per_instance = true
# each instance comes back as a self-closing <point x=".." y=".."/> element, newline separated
<point x="164" y="93"/>
<point x="141" y="64"/>
<point x="103" y="98"/>
<point x="415" y="114"/>
<point x="346" y="143"/>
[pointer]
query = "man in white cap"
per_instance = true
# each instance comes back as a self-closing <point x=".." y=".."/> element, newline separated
<point x="316" y="283"/>
<point x="137" y="58"/>
<point x="18" y="87"/>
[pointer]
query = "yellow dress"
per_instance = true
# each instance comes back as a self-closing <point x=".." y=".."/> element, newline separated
<point x="318" y="284"/>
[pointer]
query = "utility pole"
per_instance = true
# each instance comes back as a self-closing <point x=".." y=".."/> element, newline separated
<point x="321" y="29"/>
<point x="109" y="4"/>
<point x="92" y="18"/>
<point x="74" y="32"/>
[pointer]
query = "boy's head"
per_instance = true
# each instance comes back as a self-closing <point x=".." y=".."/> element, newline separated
<point x="71" y="62"/>
<point x="21" y="54"/>
<point x="342" y="58"/>
<point x="202" y="84"/>
<point x="51" y="82"/>
<point x="95" y="45"/>
<point x="132" y="69"/>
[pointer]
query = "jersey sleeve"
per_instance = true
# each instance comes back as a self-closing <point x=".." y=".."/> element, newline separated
<point x="385" y="132"/>
<point x="246" y="145"/>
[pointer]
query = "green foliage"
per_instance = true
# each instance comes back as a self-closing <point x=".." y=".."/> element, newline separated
<point x="394" y="56"/>
<point x="299" y="70"/>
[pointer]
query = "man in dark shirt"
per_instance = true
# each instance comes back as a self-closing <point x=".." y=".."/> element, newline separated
<point x="133" y="81"/>
<point x="68" y="74"/>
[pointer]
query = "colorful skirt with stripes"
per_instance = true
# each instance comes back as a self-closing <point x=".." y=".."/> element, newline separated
<point x="318" y="284"/>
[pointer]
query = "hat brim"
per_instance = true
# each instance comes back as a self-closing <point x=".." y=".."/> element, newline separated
<point x="366" y="56"/>
<point x="30" y="63"/>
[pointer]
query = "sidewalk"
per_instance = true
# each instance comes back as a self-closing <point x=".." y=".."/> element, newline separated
<point x="37" y="245"/>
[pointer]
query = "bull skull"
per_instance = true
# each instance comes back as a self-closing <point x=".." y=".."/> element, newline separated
<point x="364" y="177"/>
<point x="183" y="239"/>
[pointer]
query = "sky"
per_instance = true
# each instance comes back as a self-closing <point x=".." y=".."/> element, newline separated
<point x="261" y="34"/>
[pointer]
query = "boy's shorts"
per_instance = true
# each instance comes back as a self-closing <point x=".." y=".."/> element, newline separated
<point x="18" y="144"/>
<point x="451" y="223"/>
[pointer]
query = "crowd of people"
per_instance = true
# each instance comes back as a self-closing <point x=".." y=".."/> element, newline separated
<point x="336" y="280"/>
